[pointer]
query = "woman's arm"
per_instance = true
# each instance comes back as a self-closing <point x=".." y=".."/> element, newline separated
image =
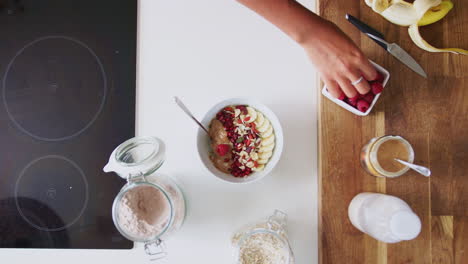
<point x="339" y="61"/>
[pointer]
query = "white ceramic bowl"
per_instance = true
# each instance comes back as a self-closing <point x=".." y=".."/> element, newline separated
<point x="350" y="108"/>
<point x="203" y="141"/>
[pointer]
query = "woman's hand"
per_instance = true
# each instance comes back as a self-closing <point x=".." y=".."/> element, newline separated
<point x="339" y="61"/>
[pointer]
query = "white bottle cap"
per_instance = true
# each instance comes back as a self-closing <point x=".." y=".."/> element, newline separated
<point x="405" y="225"/>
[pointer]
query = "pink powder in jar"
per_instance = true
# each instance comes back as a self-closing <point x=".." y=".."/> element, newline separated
<point x="144" y="212"/>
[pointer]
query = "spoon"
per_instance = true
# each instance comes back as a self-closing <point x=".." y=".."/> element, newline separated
<point x="420" y="169"/>
<point x="187" y="111"/>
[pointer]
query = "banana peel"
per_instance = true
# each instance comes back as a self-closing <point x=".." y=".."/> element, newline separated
<point x="419" y="13"/>
<point x="413" y="31"/>
<point x="436" y="13"/>
<point x="422" y="6"/>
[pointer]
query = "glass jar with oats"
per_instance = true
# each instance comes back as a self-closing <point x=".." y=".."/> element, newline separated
<point x="379" y="154"/>
<point x="265" y="242"/>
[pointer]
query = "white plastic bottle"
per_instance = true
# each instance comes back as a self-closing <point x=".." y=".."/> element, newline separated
<point x="384" y="217"/>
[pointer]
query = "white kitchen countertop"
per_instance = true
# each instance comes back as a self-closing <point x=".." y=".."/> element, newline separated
<point x="206" y="51"/>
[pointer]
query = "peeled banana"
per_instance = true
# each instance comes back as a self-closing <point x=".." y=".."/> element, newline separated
<point x="419" y="13"/>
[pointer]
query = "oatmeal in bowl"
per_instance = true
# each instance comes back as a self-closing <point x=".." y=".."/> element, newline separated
<point x="245" y="140"/>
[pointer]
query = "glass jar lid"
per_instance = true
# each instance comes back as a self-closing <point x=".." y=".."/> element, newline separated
<point x="137" y="157"/>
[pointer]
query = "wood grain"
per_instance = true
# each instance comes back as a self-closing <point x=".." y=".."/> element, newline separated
<point x="431" y="113"/>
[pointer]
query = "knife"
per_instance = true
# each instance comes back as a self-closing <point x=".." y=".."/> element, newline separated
<point x="391" y="48"/>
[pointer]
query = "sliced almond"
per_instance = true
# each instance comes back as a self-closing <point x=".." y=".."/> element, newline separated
<point x="254" y="155"/>
<point x="243" y="153"/>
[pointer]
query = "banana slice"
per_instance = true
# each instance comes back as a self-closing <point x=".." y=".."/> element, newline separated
<point x="259" y="120"/>
<point x="264" y="127"/>
<point x="252" y="114"/>
<point x="265" y="155"/>
<point x="420" y="42"/>
<point x="267" y="148"/>
<point x="269" y="140"/>
<point x="259" y="168"/>
<point x="267" y="133"/>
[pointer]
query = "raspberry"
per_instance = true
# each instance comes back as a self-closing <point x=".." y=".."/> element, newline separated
<point x="380" y="78"/>
<point x="353" y="101"/>
<point x="376" y="88"/>
<point x="362" y="105"/>
<point x="222" y="149"/>
<point x="243" y="109"/>
<point x="369" y="97"/>
<point x="342" y="96"/>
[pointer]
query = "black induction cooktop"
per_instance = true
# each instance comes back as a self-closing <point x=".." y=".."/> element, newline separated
<point x="67" y="99"/>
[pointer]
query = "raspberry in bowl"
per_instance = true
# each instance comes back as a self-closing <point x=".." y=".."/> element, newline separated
<point x="245" y="140"/>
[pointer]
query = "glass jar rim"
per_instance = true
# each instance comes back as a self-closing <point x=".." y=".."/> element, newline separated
<point x="285" y="245"/>
<point x="138" y="156"/>
<point x="116" y="204"/>
<point x="374" y="159"/>
<point x="127" y="145"/>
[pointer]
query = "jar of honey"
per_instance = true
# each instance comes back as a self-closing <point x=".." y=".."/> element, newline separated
<point x="379" y="154"/>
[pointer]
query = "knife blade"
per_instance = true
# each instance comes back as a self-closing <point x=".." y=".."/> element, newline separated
<point x="391" y="48"/>
<point x="401" y="55"/>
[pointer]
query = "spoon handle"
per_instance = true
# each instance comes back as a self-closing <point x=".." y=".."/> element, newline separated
<point x="420" y="169"/>
<point x="187" y="111"/>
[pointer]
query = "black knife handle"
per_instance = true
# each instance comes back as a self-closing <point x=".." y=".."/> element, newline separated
<point x="364" y="28"/>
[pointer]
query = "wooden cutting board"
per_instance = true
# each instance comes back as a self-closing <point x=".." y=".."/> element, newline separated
<point x="432" y="114"/>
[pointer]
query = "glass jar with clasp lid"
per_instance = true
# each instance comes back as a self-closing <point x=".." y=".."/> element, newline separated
<point x="150" y="207"/>
<point x="263" y="242"/>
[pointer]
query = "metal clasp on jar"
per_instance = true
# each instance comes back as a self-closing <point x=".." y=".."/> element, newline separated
<point x="156" y="249"/>
<point x="138" y="177"/>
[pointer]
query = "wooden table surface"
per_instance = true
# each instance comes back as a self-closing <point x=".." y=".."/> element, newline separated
<point x="432" y="114"/>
